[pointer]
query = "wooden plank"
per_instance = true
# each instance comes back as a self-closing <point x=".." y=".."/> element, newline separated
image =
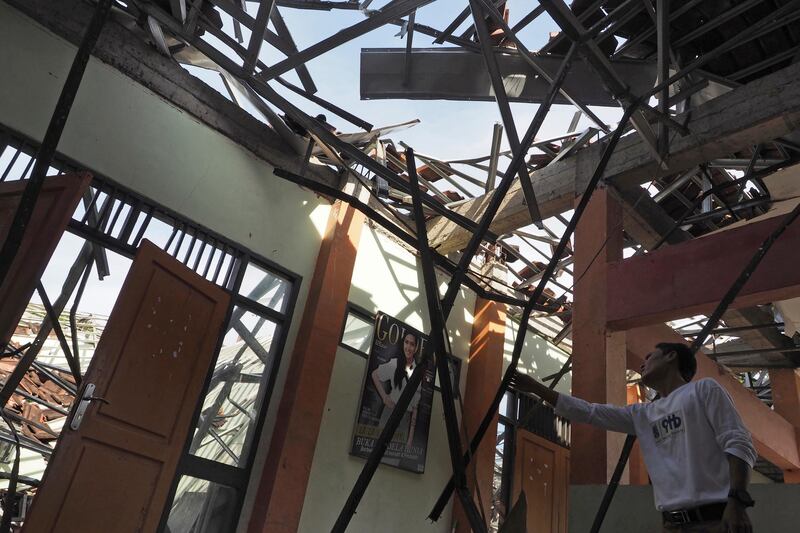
<point x="757" y="112"/>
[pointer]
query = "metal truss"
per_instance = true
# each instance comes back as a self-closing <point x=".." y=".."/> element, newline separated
<point x="406" y="197"/>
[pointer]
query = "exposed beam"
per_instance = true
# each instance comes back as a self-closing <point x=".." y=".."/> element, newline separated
<point x="574" y="29"/>
<point x="282" y="40"/>
<point x="662" y="22"/>
<point x="644" y="220"/>
<point x="502" y="103"/>
<point x="257" y="37"/>
<point x="283" y="32"/>
<point x="690" y="278"/>
<point x="729" y="123"/>
<point x="449" y="73"/>
<point x="125" y="51"/>
<point x="393" y="10"/>
<point x="760" y="337"/>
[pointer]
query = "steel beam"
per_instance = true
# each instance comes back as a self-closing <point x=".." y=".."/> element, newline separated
<point x="784" y="15"/>
<point x="528" y="57"/>
<point x="453" y="26"/>
<point x="502" y="103"/>
<point x="662" y="23"/>
<point x="438" y="344"/>
<point x="494" y="155"/>
<point x="291" y="48"/>
<point x="519" y="342"/>
<point x="395" y="9"/>
<point x="257" y="35"/>
<point x="393" y="228"/>
<point x="527" y="19"/>
<point x="505" y="184"/>
<point x="573" y="28"/>
<point x="651" y="30"/>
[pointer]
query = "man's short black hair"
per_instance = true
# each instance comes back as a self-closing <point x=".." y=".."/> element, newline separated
<point x="687" y="364"/>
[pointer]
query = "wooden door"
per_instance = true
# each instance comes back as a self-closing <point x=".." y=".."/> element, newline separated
<point x="541" y="470"/>
<point x="56" y="204"/>
<point x="113" y="474"/>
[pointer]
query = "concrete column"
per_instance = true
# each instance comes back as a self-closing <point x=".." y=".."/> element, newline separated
<point x="598" y="355"/>
<point x="484" y="372"/>
<point x="786" y="402"/>
<point x="281" y="492"/>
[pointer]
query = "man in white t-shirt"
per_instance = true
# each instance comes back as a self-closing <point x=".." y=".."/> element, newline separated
<point x="697" y="451"/>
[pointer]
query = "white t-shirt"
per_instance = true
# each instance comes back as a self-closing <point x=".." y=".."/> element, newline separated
<point x="684" y="438"/>
<point x="386" y="373"/>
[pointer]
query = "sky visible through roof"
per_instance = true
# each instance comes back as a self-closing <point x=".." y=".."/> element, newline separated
<point x="447" y="129"/>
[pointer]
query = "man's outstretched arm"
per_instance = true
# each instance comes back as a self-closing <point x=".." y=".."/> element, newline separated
<point x="609" y="417"/>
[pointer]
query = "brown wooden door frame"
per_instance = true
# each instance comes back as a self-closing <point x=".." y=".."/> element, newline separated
<point x="560" y="477"/>
<point x="115" y="472"/>
<point x="57" y="202"/>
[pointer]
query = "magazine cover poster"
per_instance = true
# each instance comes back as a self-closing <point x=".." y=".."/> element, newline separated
<point x="395" y="353"/>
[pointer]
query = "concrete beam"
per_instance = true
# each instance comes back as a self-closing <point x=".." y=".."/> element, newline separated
<point x="774" y="437"/>
<point x="646" y="222"/>
<point x="127" y="52"/>
<point x="643" y="219"/>
<point x="759" y="111"/>
<point x="691" y="278"/>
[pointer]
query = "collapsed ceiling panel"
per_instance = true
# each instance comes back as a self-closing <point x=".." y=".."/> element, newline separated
<point x="458" y="74"/>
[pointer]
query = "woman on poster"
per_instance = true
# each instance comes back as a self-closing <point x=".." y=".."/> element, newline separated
<point x="396" y="372"/>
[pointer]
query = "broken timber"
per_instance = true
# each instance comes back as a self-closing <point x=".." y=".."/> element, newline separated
<point x="759" y="111"/>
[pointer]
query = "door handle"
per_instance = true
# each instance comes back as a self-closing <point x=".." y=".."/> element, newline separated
<point x="86" y="399"/>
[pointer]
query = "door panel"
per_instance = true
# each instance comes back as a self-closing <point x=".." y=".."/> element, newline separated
<point x="56" y="203"/>
<point x="113" y="474"/>
<point x="540" y="469"/>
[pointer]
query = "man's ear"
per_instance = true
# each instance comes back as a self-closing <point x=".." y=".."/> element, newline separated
<point x="671" y="356"/>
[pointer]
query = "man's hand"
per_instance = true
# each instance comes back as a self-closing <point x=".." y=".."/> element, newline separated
<point x="525" y="383"/>
<point x="735" y="519"/>
<point x="388" y="402"/>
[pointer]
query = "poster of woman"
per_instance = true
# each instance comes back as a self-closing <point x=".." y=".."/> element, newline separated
<point x="396" y="351"/>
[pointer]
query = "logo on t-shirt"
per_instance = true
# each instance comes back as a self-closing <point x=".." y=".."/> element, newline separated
<point x="667" y="426"/>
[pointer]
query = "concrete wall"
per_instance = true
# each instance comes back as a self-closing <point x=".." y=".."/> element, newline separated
<point x="633" y="511"/>
<point x="122" y="130"/>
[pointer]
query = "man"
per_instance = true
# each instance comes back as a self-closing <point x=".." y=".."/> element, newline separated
<point x="696" y="449"/>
